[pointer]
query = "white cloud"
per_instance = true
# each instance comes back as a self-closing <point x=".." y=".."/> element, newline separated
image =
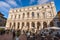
<point x="31" y="1"/>
<point x="4" y="4"/>
<point x="42" y="1"/>
<point x="4" y="11"/>
<point x="4" y="7"/>
<point x="20" y="2"/>
<point x="12" y="2"/>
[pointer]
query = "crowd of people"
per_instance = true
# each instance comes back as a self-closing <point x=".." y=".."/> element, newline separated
<point x="34" y="36"/>
<point x="44" y="36"/>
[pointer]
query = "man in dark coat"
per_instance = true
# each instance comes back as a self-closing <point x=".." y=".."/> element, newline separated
<point x="13" y="34"/>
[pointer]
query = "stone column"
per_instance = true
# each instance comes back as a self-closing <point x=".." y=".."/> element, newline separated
<point x="20" y="25"/>
<point x="25" y="15"/>
<point x="12" y="25"/>
<point x="21" y="16"/>
<point x="30" y="25"/>
<point x="53" y="9"/>
<point x="17" y="16"/>
<point x="48" y="24"/>
<point x="42" y="25"/>
<point x="36" y="25"/>
<point x="30" y="15"/>
<point x="16" y="25"/>
<point x="41" y="14"/>
<point x="35" y="15"/>
<point x="24" y="23"/>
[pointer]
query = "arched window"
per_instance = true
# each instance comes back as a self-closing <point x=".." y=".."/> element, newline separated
<point x="18" y="25"/>
<point x="38" y="15"/>
<point x="28" y="24"/>
<point x="19" y="16"/>
<point x="15" y="16"/>
<point x="44" y="25"/>
<point x="23" y="15"/>
<point x="38" y="24"/>
<point x="42" y="6"/>
<point x="22" y="24"/>
<point x="51" y="24"/>
<point x="28" y="14"/>
<point x="32" y="14"/>
<point x="14" y="25"/>
<point x="16" y="10"/>
<point x="37" y="7"/>
<point x="33" y="24"/>
<point x="48" y="6"/>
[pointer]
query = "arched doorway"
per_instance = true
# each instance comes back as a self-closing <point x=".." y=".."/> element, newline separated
<point x="51" y="24"/>
<point x="32" y="14"/>
<point x="18" y="25"/>
<point x="22" y="24"/>
<point x="38" y="25"/>
<point x="33" y="24"/>
<point x="44" y="25"/>
<point x="28" y="24"/>
<point x="14" y="25"/>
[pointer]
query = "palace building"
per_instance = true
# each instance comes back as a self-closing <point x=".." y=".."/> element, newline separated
<point x="32" y="18"/>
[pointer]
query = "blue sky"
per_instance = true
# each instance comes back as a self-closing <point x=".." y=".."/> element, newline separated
<point x="5" y="5"/>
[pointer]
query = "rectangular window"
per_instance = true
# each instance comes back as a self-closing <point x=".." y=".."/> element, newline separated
<point x="32" y="14"/>
<point x="15" y="16"/>
<point x="37" y="15"/>
<point x="58" y="24"/>
<point x="19" y="16"/>
<point x="28" y="14"/>
<point x="23" y="15"/>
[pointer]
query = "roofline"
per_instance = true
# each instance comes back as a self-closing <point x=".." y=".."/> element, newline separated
<point x="32" y="6"/>
<point x="1" y="14"/>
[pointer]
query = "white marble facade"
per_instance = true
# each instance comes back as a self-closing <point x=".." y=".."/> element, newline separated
<point x="34" y="17"/>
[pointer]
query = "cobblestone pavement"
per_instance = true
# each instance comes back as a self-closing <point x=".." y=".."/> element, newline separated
<point x="9" y="37"/>
<point x="6" y="37"/>
<point x="21" y="37"/>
